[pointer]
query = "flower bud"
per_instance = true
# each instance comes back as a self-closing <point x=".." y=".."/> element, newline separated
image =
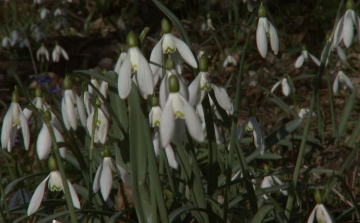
<point x="154" y="101"/>
<point x="317" y="197"/>
<point x="165" y="26"/>
<point x="132" y="40"/>
<point x="38" y="92"/>
<point x="52" y="164"/>
<point x="174" y="84"/>
<point x="170" y="64"/>
<point x="106" y="152"/>
<point x="15" y="96"/>
<point x="262" y="11"/>
<point x="204" y="63"/>
<point x="67" y="83"/>
<point x="350" y="5"/>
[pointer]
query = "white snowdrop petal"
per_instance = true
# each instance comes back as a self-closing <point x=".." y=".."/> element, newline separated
<point x="312" y="215"/>
<point x="285" y="87"/>
<point x="185" y="52"/>
<point x="64" y="53"/>
<point x="274" y="39"/>
<point x="6" y="127"/>
<point x="104" y="126"/>
<point x="341" y="53"/>
<point x="261" y="39"/>
<point x="106" y="178"/>
<point x="145" y="77"/>
<point x="59" y="138"/>
<point x="43" y="143"/>
<point x="194" y="90"/>
<point x="89" y="123"/>
<point x="156" y="56"/>
<point x="156" y="144"/>
<point x="316" y="61"/>
<point x="119" y="62"/>
<point x="167" y="124"/>
<point x="70" y="113"/>
<point x="171" y="157"/>
<point x="125" y="176"/>
<point x="338" y="32"/>
<point x="222" y="98"/>
<point x="37" y="197"/>
<point x="347" y="81"/>
<point x="25" y="128"/>
<point x="275" y="86"/>
<point x="96" y="184"/>
<point x="348" y="30"/>
<point x="299" y="61"/>
<point x="163" y="92"/>
<point x="192" y="122"/>
<point x="124" y="81"/>
<point x="74" y="196"/>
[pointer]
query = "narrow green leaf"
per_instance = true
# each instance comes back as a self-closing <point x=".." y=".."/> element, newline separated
<point x="262" y="213"/>
<point x="10" y="186"/>
<point x="177" y="212"/>
<point x="348" y="108"/>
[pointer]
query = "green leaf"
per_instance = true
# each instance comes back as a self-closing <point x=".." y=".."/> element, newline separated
<point x="281" y="133"/>
<point x="177" y="212"/>
<point x="348" y="108"/>
<point x="262" y="213"/>
<point x="11" y="185"/>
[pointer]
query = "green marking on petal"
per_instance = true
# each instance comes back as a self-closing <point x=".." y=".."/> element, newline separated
<point x="179" y="114"/>
<point x="169" y="50"/>
<point x="157" y="123"/>
<point x="206" y="87"/>
<point x="55" y="187"/>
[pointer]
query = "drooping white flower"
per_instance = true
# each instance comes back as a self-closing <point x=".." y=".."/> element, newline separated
<point x="164" y="87"/>
<point x="305" y="111"/>
<point x="41" y="52"/>
<point x="202" y="84"/>
<point x="155" y="112"/>
<point x="37" y="102"/>
<point x="6" y="42"/>
<point x="170" y="155"/>
<point x="264" y="29"/>
<point x="305" y="57"/>
<point x="44" y="12"/>
<point x="44" y="142"/>
<point x="285" y="86"/>
<point x="14" y="119"/>
<point x="251" y="125"/>
<point x="57" y="12"/>
<point x="270" y="181"/>
<point x="24" y="43"/>
<point x="229" y="60"/>
<point x="177" y="110"/>
<point x="14" y="36"/>
<point x="135" y="62"/>
<point x="72" y="107"/>
<point x="345" y="27"/>
<point x="104" y="175"/>
<point x="341" y="53"/>
<point x="209" y="24"/>
<point x="57" y="52"/>
<point x="343" y="80"/>
<point x="54" y="184"/>
<point x="176" y="48"/>
<point x="101" y="125"/>
<point x="320" y="213"/>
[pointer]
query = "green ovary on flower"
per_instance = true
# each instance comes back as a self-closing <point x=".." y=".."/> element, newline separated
<point x="179" y="114"/>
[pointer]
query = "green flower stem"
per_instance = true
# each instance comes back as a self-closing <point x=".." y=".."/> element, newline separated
<point x="3" y="198"/>
<point x="230" y="159"/>
<point x="62" y="172"/>
<point x="212" y="158"/>
<point x="319" y="117"/>
<point x="332" y="108"/>
<point x="291" y="196"/>
<point x="91" y="161"/>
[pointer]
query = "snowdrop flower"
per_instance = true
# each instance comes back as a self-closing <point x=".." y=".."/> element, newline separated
<point x="209" y="23"/>
<point x="285" y="86"/>
<point x="44" y="12"/>
<point x="229" y="60"/>
<point x="201" y="52"/>
<point x="24" y="43"/>
<point x="14" y="119"/>
<point x="42" y="51"/>
<point x="14" y="36"/>
<point x="344" y="81"/>
<point x="251" y="125"/>
<point x="96" y="85"/>
<point x="177" y="110"/>
<point x="345" y="27"/>
<point x="176" y="48"/>
<point x="72" y="107"/>
<point x="54" y="184"/>
<point x="38" y="102"/>
<point x="57" y="12"/>
<point x="270" y="181"/>
<point x="135" y="62"/>
<point x="305" y="57"/>
<point x="202" y="84"/>
<point x="164" y="87"/>
<point x="6" y="42"/>
<point x="101" y="124"/>
<point x="320" y="212"/>
<point x="103" y="178"/>
<point x="340" y="52"/>
<point x="119" y="62"/>
<point x="44" y="141"/>
<point x="168" y="150"/>
<point x="57" y="52"/>
<point x="264" y="29"/>
<point x="155" y="112"/>
<point x="305" y="111"/>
